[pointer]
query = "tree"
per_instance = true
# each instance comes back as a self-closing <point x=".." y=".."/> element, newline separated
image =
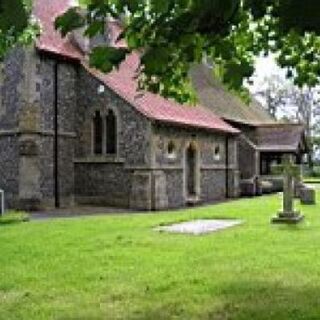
<point x="16" y="25"/>
<point x="286" y="101"/>
<point x="274" y="93"/>
<point x="305" y="104"/>
<point x="173" y="34"/>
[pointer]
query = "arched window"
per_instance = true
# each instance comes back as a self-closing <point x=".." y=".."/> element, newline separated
<point x="217" y="152"/>
<point x="97" y="133"/>
<point x="171" y="150"/>
<point x="111" y="132"/>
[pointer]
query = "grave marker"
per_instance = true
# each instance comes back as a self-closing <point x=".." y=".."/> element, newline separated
<point x="289" y="170"/>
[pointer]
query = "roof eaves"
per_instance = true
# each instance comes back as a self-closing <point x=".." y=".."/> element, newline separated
<point x="277" y="148"/>
<point x="229" y="130"/>
<point x="232" y="131"/>
<point x="57" y="55"/>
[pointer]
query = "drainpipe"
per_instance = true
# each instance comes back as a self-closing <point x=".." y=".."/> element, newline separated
<point x="227" y="166"/>
<point x="56" y="139"/>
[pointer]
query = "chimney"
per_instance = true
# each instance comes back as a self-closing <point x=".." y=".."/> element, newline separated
<point x="84" y="43"/>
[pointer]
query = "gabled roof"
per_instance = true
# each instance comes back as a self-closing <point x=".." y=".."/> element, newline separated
<point x="123" y="81"/>
<point x="278" y="137"/>
<point x="266" y="134"/>
<point x="154" y="106"/>
<point x="46" y="11"/>
<point x="285" y="137"/>
<point x="215" y="97"/>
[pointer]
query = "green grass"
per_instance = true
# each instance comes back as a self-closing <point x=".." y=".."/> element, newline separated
<point x="117" y="267"/>
<point x="311" y="180"/>
<point x="14" y="217"/>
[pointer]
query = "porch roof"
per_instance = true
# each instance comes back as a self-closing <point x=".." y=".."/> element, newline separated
<point x="280" y="137"/>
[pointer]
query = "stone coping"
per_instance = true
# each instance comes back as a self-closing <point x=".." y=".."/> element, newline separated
<point x="99" y="159"/>
<point x="200" y="226"/>
<point x="37" y="132"/>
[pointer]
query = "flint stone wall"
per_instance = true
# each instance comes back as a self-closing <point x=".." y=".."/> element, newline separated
<point x="107" y="179"/>
<point x="27" y="105"/>
<point x="212" y="177"/>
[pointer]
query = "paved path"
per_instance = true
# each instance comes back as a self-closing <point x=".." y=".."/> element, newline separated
<point x="75" y="212"/>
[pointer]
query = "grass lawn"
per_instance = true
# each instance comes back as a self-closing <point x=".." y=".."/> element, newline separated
<point x="311" y="180"/>
<point x="117" y="267"/>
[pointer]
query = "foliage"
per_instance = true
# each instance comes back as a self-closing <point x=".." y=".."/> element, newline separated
<point x="312" y="176"/>
<point x="117" y="267"/>
<point x="16" y="25"/>
<point x="172" y="35"/>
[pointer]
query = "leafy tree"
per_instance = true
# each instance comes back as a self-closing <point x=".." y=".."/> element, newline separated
<point x="287" y="102"/>
<point x="173" y="34"/>
<point x="274" y="91"/>
<point x="16" y="25"/>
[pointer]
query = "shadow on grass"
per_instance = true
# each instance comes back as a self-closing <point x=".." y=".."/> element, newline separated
<point x="265" y="300"/>
<point x="14" y="218"/>
<point x="240" y="301"/>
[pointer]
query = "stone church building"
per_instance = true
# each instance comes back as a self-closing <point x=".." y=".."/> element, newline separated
<point x="72" y="135"/>
<point x="263" y="140"/>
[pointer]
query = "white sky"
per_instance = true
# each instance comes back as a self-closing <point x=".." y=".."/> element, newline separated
<point x="265" y="67"/>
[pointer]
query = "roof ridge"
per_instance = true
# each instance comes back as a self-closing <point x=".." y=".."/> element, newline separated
<point x="122" y="81"/>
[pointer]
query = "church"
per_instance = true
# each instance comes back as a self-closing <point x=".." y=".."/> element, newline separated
<point x="263" y="140"/>
<point x="71" y="135"/>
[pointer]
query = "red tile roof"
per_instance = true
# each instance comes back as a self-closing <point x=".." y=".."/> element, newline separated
<point x="50" y="40"/>
<point x="123" y="81"/>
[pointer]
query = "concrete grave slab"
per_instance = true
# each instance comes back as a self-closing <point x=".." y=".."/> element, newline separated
<point x="201" y="226"/>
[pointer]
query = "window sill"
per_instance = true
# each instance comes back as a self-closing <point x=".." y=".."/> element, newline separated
<point x="99" y="159"/>
<point x="171" y="158"/>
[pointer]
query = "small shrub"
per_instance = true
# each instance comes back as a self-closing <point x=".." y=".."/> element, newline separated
<point x="14" y="217"/>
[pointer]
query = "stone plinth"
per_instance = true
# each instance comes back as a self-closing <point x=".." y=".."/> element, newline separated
<point x="148" y="191"/>
<point x="248" y="188"/>
<point x="199" y="227"/>
<point x="288" y="217"/>
<point x="266" y="186"/>
<point x="307" y="195"/>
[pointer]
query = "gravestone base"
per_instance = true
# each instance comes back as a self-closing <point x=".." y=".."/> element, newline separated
<point x="308" y="196"/>
<point x="200" y="226"/>
<point x="288" y="217"/>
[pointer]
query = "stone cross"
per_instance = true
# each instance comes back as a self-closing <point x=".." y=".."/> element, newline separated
<point x="290" y="171"/>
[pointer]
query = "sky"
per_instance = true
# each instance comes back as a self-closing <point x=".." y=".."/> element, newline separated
<point x="265" y="67"/>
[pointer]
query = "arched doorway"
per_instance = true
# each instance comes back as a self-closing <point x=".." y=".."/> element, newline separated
<point x="191" y="171"/>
